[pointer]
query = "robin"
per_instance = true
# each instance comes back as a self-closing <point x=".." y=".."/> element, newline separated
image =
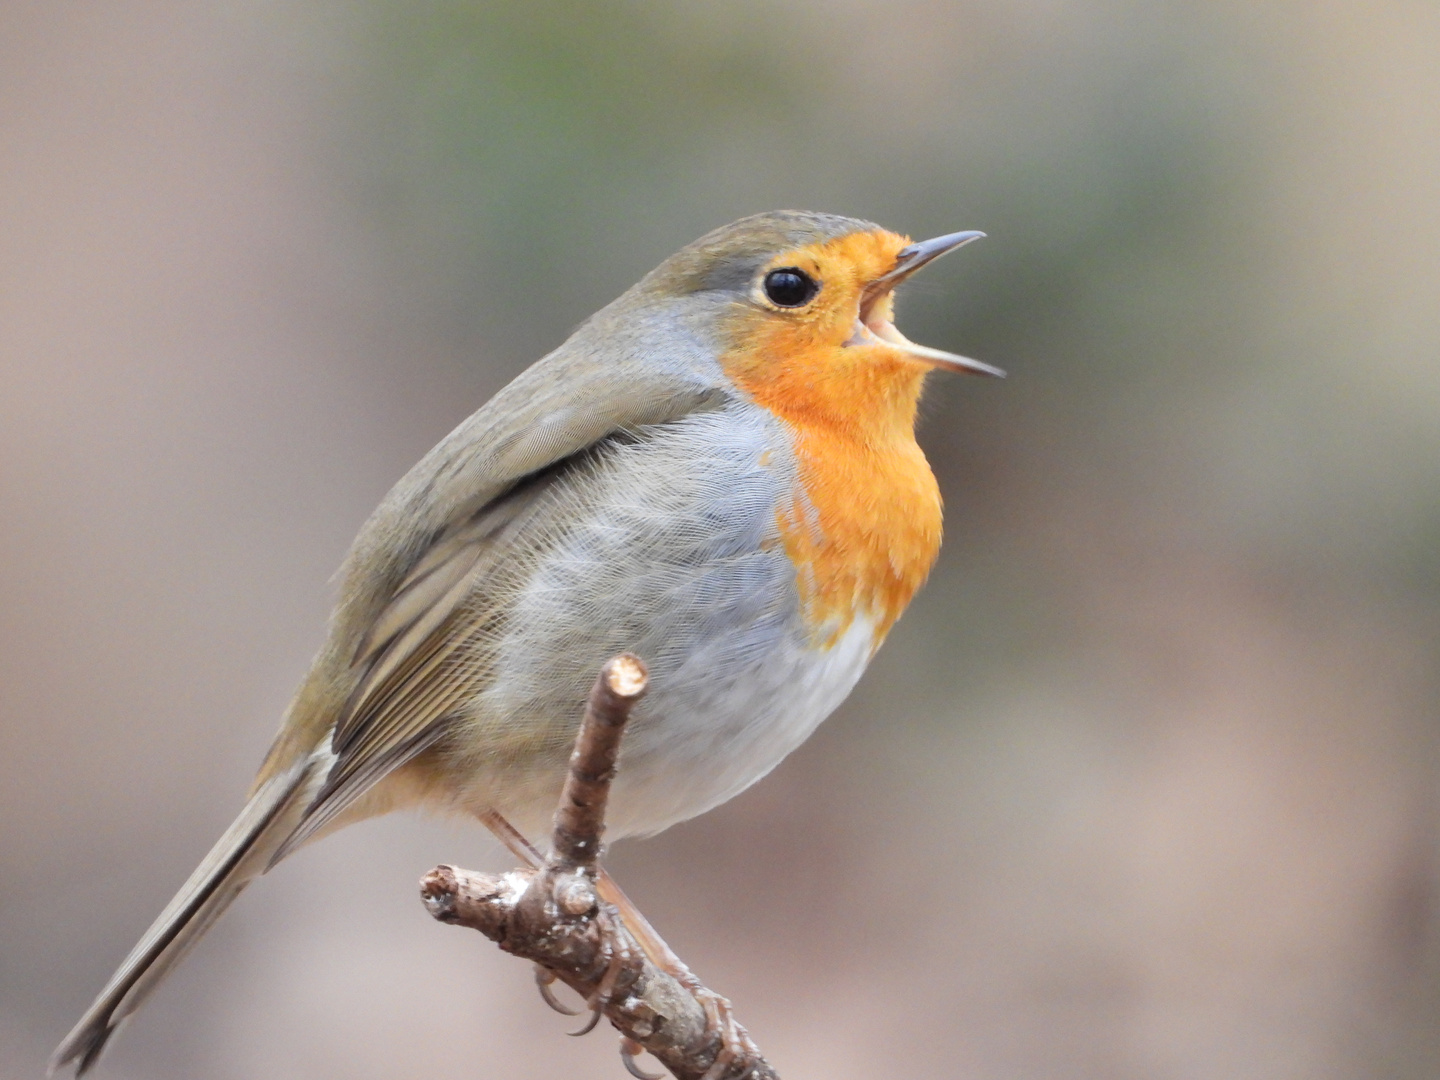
<point x="717" y="472"/>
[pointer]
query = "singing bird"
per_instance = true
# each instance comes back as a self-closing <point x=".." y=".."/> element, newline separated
<point x="717" y="472"/>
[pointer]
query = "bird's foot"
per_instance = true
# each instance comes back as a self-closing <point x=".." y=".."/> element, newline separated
<point x="615" y="944"/>
<point x="544" y="980"/>
<point x="735" y="1041"/>
<point x="628" y="1049"/>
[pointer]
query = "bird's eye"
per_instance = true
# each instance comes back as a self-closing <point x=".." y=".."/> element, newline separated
<point x="790" y="287"/>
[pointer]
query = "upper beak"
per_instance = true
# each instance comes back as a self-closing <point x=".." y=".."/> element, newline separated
<point x="872" y="324"/>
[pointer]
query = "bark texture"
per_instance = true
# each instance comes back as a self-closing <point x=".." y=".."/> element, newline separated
<point x="555" y="916"/>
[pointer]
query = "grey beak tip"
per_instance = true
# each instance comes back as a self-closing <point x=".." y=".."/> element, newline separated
<point x="914" y="256"/>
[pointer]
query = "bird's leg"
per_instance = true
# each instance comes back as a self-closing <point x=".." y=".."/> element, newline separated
<point x="515" y="842"/>
<point x="734" y="1039"/>
<point x="649" y="940"/>
<point x="575" y="857"/>
<point x="616" y="945"/>
<point x="513" y="839"/>
<point x="526" y="852"/>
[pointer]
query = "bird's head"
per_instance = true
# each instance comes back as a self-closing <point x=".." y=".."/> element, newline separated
<point x="805" y="301"/>
<point x="796" y="280"/>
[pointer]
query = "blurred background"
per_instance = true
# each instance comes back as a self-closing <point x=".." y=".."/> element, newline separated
<point x="1145" y="784"/>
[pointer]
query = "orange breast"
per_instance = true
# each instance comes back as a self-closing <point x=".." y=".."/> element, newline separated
<point x="864" y="527"/>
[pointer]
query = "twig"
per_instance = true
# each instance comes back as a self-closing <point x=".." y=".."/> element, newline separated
<point x="555" y="917"/>
<point x="580" y="818"/>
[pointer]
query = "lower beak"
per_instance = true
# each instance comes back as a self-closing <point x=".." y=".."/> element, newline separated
<point x="872" y="326"/>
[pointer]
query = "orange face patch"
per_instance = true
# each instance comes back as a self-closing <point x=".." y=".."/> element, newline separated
<point x="864" y="529"/>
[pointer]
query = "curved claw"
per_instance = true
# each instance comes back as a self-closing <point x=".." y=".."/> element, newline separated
<point x="595" y="1015"/>
<point x="628" y="1049"/>
<point x="544" y="979"/>
<point x="619" y="956"/>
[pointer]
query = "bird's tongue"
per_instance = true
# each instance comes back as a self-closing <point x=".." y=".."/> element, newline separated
<point x="872" y="328"/>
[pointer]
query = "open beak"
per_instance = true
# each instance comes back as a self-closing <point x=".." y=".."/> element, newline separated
<point x="873" y="324"/>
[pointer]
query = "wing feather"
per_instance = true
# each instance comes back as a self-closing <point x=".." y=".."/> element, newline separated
<point x="415" y="661"/>
<point x="421" y="576"/>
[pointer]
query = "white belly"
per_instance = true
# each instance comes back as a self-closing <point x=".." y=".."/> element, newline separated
<point x="698" y="759"/>
<point x="699" y="585"/>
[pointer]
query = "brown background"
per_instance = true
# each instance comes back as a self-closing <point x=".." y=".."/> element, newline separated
<point x="1143" y="786"/>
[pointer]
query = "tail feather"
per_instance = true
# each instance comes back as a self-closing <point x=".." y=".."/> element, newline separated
<point x="238" y="857"/>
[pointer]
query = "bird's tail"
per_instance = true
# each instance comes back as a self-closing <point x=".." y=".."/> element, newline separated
<point x="238" y="857"/>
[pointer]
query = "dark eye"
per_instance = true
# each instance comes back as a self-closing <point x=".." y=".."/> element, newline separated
<point x="790" y="286"/>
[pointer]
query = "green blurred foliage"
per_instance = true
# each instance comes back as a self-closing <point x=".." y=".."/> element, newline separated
<point x="527" y="162"/>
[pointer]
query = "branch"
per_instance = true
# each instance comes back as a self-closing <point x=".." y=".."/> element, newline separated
<point x="570" y="920"/>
